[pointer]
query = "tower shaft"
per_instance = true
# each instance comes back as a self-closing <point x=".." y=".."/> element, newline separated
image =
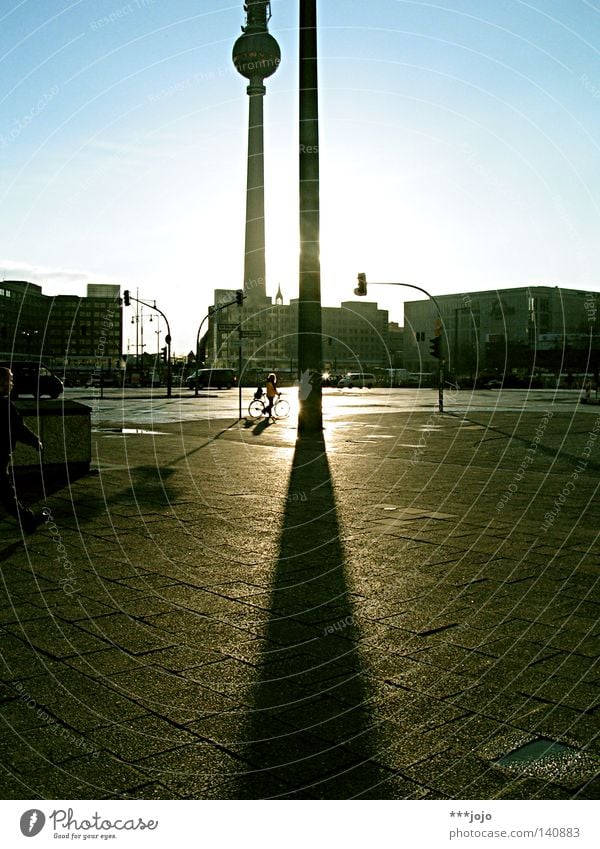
<point x="256" y="55"/>
<point x="254" y="252"/>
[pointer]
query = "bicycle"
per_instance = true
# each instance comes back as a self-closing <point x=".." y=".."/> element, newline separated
<point x="258" y="408"/>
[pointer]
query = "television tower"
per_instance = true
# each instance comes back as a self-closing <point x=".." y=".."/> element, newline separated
<point x="256" y="55"/>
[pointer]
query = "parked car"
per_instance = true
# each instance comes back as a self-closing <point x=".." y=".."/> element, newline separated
<point x="34" y="378"/>
<point x="356" y="378"/>
<point x="215" y="378"/>
<point x="109" y="378"/>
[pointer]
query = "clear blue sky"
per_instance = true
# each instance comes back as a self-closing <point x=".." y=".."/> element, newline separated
<point x="459" y="147"/>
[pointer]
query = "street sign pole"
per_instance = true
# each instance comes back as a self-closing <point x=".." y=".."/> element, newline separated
<point x="212" y="311"/>
<point x="240" y="371"/>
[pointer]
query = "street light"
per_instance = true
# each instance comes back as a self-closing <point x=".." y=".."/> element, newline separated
<point x="361" y="290"/>
<point x="127" y="298"/>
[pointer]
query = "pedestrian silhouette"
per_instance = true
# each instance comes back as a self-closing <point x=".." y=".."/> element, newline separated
<point x="12" y="430"/>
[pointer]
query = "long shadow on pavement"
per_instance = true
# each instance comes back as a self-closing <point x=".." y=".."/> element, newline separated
<point x="310" y="732"/>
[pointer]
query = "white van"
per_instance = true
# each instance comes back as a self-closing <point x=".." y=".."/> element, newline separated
<point x="358" y="379"/>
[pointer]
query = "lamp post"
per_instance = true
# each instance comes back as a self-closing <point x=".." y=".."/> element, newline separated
<point x="361" y="290"/>
<point x="129" y="297"/>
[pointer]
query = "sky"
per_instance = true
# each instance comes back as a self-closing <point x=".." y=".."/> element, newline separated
<point x="459" y="148"/>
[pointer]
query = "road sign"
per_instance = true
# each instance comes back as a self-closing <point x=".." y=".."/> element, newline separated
<point x="225" y="326"/>
<point x="236" y="343"/>
<point x="252" y="334"/>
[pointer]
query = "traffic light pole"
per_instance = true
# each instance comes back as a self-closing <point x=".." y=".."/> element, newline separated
<point x="362" y="290"/>
<point x="240" y="370"/>
<point x="129" y="297"/>
<point x="239" y="299"/>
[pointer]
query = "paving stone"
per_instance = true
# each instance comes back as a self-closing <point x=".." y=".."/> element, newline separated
<point x="182" y="657"/>
<point x="54" y="783"/>
<point x="565" y="692"/>
<point x="57" y="743"/>
<point x="104" y="776"/>
<point x="175" y="698"/>
<point x="198" y="770"/>
<point x="57" y="639"/>
<point x="135" y="739"/>
<point x="106" y="662"/>
<point x="152" y="790"/>
<point x="77" y="700"/>
<point x="125" y="632"/>
<point x="460" y="775"/>
<point x="20" y="612"/>
<point x="194" y="629"/>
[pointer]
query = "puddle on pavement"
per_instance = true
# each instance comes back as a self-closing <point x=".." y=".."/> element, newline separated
<point x="535" y="751"/>
<point x="127" y="431"/>
<point x="549" y="760"/>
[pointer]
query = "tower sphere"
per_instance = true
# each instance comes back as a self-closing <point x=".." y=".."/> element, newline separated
<point x="256" y="54"/>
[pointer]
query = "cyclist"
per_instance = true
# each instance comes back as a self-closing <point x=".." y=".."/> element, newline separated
<point x="272" y="394"/>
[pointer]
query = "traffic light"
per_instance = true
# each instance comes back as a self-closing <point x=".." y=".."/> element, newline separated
<point x="361" y="289"/>
<point x="126" y="300"/>
<point x="435" y="346"/>
<point x="163" y="353"/>
<point x="239" y="297"/>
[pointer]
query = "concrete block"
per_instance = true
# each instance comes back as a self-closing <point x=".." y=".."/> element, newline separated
<point x="66" y="433"/>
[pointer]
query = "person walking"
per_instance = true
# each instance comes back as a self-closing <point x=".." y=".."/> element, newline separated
<point x="272" y="394"/>
<point x="12" y="430"/>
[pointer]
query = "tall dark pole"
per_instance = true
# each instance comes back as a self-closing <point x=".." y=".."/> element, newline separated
<point x="310" y="418"/>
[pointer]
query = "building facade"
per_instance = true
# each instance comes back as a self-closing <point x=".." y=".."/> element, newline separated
<point x="65" y="331"/>
<point x="503" y="331"/>
<point x="355" y="336"/>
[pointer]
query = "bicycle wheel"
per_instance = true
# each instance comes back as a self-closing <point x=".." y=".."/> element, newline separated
<point x="256" y="409"/>
<point x="281" y="410"/>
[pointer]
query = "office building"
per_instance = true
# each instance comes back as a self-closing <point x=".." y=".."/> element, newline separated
<point x="522" y="329"/>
